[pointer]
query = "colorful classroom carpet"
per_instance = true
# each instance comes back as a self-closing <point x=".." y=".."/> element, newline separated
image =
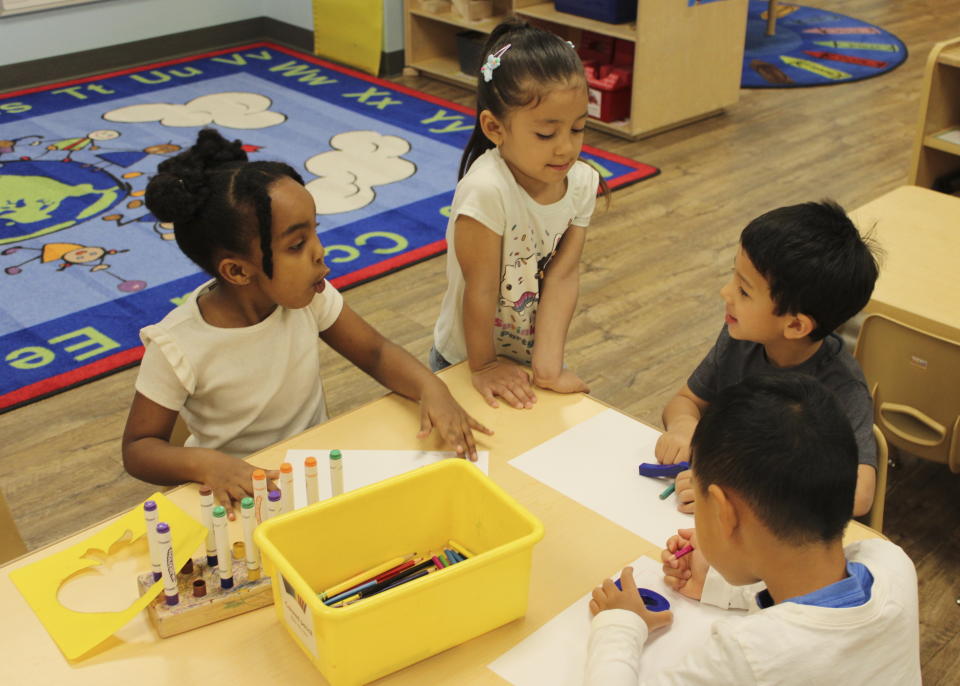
<point x="85" y="265"/>
<point x="814" y="47"/>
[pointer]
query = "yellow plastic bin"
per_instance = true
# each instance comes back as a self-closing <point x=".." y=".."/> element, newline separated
<point x="312" y="549"/>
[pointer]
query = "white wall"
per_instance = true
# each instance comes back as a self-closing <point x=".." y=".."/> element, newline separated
<point x="37" y="35"/>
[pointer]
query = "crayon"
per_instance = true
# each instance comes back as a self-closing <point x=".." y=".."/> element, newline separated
<point x="250" y="548"/>
<point x="167" y="569"/>
<point x="225" y="566"/>
<point x="313" y="488"/>
<point x="150" y="515"/>
<point x="286" y="487"/>
<point x="206" y="518"/>
<point x="461" y="549"/>
<point x="667" y="491"/>
<point x="259" y="495"/>
<point x="360" y="578"/>
<point x="336" y="472"/>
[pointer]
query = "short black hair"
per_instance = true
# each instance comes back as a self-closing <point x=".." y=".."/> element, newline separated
<point x="217" y="200"/>
<point x="785" y="446"/>
<point x="815" y="262"/>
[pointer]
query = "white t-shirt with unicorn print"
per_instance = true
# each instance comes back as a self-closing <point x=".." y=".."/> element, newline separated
<point x="531" y="233"/>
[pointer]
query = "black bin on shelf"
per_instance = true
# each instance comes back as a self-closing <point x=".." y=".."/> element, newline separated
<point x="610" y="11"/>
<point x="470" y="51"/>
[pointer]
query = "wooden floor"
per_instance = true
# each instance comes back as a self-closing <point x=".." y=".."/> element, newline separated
<point x="649" y="305"/>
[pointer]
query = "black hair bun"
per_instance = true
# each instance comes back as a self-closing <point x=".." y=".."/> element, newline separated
<point x="180" y="188"/>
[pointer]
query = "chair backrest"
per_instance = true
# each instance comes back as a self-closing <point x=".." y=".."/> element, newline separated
<point x="875" y="517"/>
<point x="11" y="545"/>
<point x="914" y="378"/>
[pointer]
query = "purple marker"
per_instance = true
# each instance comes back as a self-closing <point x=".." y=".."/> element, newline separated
<point x="150" y="515"/>
<point x="167" y="569"/>
<point x="273" y="504"/>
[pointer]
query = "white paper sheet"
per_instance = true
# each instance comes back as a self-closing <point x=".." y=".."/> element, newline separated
<point x="364" y="467"/>
<point x="556" y="653"/>
<point x="597" y="464"/>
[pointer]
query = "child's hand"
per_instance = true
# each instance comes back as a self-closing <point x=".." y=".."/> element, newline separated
<point x="506" y="379"/>
<point x="687" y="574"/>
<point x="230" y="478"/>
<point x="439" y="409"/>
<point x="608" y="597"/>
<point x="684" y="490"/>
<point x="566" y="382"/>
<point x="672" y="447"/>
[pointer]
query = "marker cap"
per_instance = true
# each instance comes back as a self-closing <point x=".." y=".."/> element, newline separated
<point x="286" y="468"/>
<point x="206" y="490"/>
<point x="149" y="506"/>
<point x="163" y="528"/>
<point x="259" y="474"/>
<point x="335" y="455"/>
<point x="273" y="496"/>
<point x="247" y="503"/>
<point x="310" y="462"/>
<point x="219" y="511"/>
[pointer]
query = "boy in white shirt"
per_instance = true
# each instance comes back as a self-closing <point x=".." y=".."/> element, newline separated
<point x="774" y="469"/>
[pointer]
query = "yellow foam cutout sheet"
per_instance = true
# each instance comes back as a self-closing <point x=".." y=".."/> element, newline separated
<point x="88" y="592"/>
<point x="349" y="32"/>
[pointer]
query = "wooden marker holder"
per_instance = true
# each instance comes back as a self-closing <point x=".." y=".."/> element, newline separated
<point x="192" y="612"/>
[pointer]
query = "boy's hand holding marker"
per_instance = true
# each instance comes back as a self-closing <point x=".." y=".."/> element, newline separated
<point x="439" y="409"/>
<point x="684" y="567"/>
<point x="674" y="444"/>
<point x="506" y="379"/>
<point x="608" y="597"/>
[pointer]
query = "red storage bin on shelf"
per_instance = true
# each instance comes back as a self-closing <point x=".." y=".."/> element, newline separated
<point x="608" y="63"/>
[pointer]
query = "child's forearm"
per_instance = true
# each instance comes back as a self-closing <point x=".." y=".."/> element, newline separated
<point x="479" y="310"/>
<point x="558" y="301"/>
<point x="681" y="415"/>
<point x="155" y="461"/>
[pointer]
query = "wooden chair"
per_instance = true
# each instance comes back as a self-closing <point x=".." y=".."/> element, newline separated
<point x="914" y="379"/>
<point x="874" y="518"/>
<point x="11" y="545"/>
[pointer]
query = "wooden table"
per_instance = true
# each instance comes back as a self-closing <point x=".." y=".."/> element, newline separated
<point x="919" y="232"/>
<point x="579" y="549"/>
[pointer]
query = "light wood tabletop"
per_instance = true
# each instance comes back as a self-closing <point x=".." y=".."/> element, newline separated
<point x="919" y="232"/>
<point x="580" y="548"/>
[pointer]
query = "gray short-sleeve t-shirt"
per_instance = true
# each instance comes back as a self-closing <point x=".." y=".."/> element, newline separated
<point x="730" y="361"/>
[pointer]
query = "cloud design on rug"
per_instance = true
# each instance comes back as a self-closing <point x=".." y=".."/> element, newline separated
<point x="359" y="161"/>
<point x="233" y="110"/>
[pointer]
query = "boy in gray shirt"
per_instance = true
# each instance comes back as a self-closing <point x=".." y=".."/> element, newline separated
<point x="800" y="272"/>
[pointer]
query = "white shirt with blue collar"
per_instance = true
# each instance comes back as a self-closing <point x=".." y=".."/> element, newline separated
<point x="862" y="630"/>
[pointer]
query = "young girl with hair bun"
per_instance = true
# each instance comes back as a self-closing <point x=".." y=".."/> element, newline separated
<point x="518" y="221"/>
<point x="238" y="359"/>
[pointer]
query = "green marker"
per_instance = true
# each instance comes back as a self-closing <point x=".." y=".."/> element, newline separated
<point x="668" y="490"/>
<point x="336" y="472"/>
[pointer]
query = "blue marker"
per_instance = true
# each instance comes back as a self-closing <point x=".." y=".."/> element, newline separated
<point x="150" y="515"/>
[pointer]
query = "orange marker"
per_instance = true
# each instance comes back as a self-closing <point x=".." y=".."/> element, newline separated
<point x="259" y="494"/>
<point x="313" y="488"/>
<point x="286" y="487"/>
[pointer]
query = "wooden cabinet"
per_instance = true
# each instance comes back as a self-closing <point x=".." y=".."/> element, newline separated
<point x="687" y="59"/>
<point x="937" y="148"/>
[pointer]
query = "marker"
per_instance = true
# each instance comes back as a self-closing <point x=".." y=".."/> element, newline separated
<point x="150" y="515"/>
<point x="249" y="524"/>
<point x="206" y="518"/>
<point x="461" y="549"/>
<point x="167" y="570"/>
<point x="259" y="495"/>
<point x="683" y="551"/>
<point x="286" y="487"/>
<point x="360" y="578"/>
<point x="668" y="490"/>
<point x="273" y="505"/>
<point x="336" y="472"/>
<point x="223" y="547"/>
<point x="313" y="487"/>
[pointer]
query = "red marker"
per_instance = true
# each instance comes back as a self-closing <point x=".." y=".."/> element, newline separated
<point x="683" y="551"/>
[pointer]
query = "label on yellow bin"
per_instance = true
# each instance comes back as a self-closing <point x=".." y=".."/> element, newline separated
<point x="299" y="616"/>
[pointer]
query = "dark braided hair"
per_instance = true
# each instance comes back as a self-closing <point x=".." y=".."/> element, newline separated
<point x="536" y="62"/>
<point x="217" y="200"/>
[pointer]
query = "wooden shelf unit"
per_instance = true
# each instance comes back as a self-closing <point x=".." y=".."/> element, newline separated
<point x="687" y="60"/>
<point x="939" y="113"/>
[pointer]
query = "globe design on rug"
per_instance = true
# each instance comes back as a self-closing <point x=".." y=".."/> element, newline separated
<point x="39" y="197"/>
<point x="814" y="47"/>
